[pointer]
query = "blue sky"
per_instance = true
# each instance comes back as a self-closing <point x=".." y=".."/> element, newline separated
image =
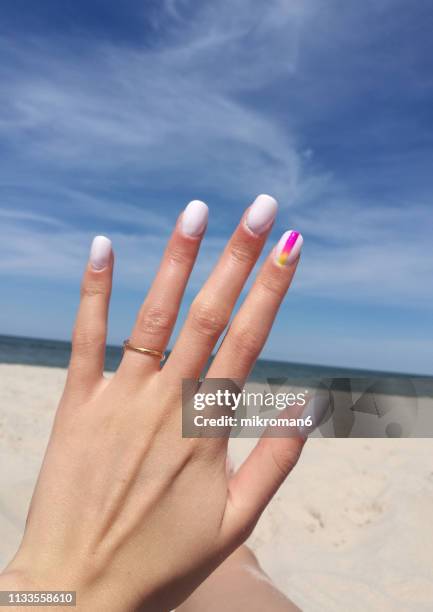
<point x="114" y="115"/>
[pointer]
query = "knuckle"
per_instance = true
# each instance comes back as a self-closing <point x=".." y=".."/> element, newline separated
<point x="285" y="460"/>
<point x="194" y="448"/>
<point x="246" y="343"/>
<point x="85" y="341"/>
<point x="155" y="321"/>
<point x="272" y="286"/>
<point x="242" y="253"/>
<point x="208" y="320"/>
<point x="179" y="256"/>
<point x="92" y="288"/>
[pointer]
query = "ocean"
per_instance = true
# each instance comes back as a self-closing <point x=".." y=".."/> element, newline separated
<point x="55" y="353"/>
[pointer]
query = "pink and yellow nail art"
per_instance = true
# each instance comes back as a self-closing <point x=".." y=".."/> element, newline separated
<point x="288" y="248"/>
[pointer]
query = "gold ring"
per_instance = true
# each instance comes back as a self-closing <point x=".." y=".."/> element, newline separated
<point x="144" y="351"/>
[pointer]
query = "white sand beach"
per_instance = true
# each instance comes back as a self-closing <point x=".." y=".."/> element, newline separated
<point x="351" y="529"/>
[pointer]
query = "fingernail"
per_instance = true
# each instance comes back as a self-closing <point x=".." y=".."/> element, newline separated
<point x="261" y="213"/>
<point x="100" y="252"/>
<point x="288" y="248"/>
<point x="194" y="218"/>
<point x="315" y="412"/>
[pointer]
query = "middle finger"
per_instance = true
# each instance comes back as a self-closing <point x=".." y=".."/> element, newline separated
<point x="210" y="312"/>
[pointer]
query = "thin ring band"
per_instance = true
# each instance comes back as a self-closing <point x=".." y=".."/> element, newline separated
<point x="143" y="351"/>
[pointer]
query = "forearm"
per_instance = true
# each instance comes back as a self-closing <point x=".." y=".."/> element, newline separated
<point x="245" y="587"/>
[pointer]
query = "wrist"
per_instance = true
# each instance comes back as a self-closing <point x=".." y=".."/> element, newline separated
<point x="23" y="577"/>
<point x="92" y="591"/>
<point x="12" y="579"/>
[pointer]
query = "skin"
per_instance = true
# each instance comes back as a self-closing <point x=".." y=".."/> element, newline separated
<point x="126" y="511"/>
<point x="238" y="584"/>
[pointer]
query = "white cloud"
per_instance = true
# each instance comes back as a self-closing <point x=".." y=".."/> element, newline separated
<point x="180" y="113"/>
<point x="61" y="253"/>
<point x="170" y="113"/>
<point x="353" y="254"/>
<point x="367" y="252"/>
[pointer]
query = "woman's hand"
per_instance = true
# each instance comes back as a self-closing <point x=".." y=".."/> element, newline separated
<point x="126" y="511"/>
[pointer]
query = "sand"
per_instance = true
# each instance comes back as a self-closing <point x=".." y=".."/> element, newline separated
<point x="351" y="529"/>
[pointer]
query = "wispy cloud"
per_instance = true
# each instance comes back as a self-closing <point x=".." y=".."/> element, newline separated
<point x="354" y="254"/>
<point x="170" y="113"/>
<point x="89" y="127"/>
<point x="223" y="101"/>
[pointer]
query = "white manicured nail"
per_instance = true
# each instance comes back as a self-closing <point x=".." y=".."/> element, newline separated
<point x="100" y="252"/>
<point x="288" y="248"/>
<point x="261" y="213"/>
<point x="194" y="218"/>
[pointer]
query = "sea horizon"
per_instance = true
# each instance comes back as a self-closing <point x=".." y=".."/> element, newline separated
<point x="28" y="350"/>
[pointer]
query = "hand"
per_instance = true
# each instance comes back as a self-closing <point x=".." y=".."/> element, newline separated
<point x="125" y="510"/>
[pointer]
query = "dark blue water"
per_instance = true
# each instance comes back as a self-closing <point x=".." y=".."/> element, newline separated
<point x="55" y="353"/>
